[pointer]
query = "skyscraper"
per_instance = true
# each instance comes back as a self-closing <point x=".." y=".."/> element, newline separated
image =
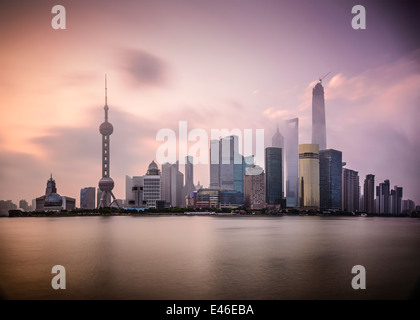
<point x="274" y="178"/>
<point x="189" y="186"/>
<point x="290" y="130"/>
<point x="87" y="198"/>
<point x="395" y="200"/>
<point x="309" y="176"/>
<point x="350" y="190"/>
<point x="319" y="132"/>
<point x="106" y="184"/>
<point x="369" y="194"/>
<point x="227" y="165"/>
<point x="177" y="184"/>
<point x="330" y="175"/>
<point x="278" y="140"/>
<point x="172" y="181"/>
<point x="382" y="194"/>
<point x="151" y="186"/>
<point x="254" y="187"/>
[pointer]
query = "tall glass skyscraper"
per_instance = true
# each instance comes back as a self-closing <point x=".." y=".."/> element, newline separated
<point x="330" y="178"/>
<point x="291" y="148"/>
<point x="369" y="194"/>
<point x="395" y="200"/>
<point x="309" y="176"/>
<point x="350" y="190"/>
<point x="383" y="197"/>
<point x="319" y="132"/>
<point x="274" y="177"/>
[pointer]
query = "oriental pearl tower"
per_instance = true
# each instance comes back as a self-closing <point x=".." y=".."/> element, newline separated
<point x="106" y="184"/>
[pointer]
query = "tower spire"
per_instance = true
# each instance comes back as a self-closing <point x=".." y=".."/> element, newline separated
<point x="106" y="101"/>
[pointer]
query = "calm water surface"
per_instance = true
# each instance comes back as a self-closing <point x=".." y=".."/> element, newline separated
<point x="209" y="257"/>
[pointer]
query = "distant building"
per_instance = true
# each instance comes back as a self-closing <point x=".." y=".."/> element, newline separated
<point x="144" y="191"/>
<point x="290" y="131"/>
<point x="369" y="194"/>
<point x="68" y="203"/>
<point x="361" y="203"/>
<point x="383" y="198"/>
<point x="198" y="186"/>
<point x="134" y="192"/>
<point x="330" y="179"/>
<point x="255" y="187"/>
<point x="172" y="181"/>
<point x="189" y="186"/>
<point x="273" y="175"/>
<point x="395" y="200"/>
<point x="277" y="141"/>
<point x="152" y="186"/>
<point x="231" y="199"/>
<point x="5" y="206"/>
<point x="309" y="176"/>
<point x="408" y="206"/>
<point x="192" y="200"/>
<point x="227" y="165"/>
<point x="87" y="198"/>
<point x="23" y="204"/>
<point x="52" y="201"/>
<point x="208" y="198"/>
<point x="350" y="191"/>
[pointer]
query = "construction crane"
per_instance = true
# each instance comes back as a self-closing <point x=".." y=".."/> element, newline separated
<point x="320" y="79"/>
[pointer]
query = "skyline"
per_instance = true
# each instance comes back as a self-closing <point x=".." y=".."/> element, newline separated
<point x="205" y="63"/>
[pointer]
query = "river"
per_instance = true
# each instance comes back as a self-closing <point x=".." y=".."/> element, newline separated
<point x="207" y="257"/>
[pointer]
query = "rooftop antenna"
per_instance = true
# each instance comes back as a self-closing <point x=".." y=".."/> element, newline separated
<point x="320" y="79"/>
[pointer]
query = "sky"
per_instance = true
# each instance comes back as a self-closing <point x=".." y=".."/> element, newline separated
<point x="246" y="64"/>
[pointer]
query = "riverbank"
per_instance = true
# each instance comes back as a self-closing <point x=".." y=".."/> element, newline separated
<point x="125" y="212"/>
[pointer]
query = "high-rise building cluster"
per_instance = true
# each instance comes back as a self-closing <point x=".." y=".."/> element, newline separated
<point x="306" y="176"/>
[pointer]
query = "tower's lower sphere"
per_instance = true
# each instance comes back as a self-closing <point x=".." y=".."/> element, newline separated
<point x="106" y="128"/>
<point x="106" y="184"/>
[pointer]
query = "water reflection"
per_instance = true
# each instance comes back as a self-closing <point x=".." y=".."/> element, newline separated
<point x="209" y="257"/>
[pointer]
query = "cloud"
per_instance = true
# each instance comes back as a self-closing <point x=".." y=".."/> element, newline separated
<point x="145" y="69"/>
<point x="273" y="113"/>
<point x="73" y="156"/>
<point x="375" y="114"/>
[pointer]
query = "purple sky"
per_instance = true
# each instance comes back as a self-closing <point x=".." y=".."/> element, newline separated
<point x="215" y="64"/>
